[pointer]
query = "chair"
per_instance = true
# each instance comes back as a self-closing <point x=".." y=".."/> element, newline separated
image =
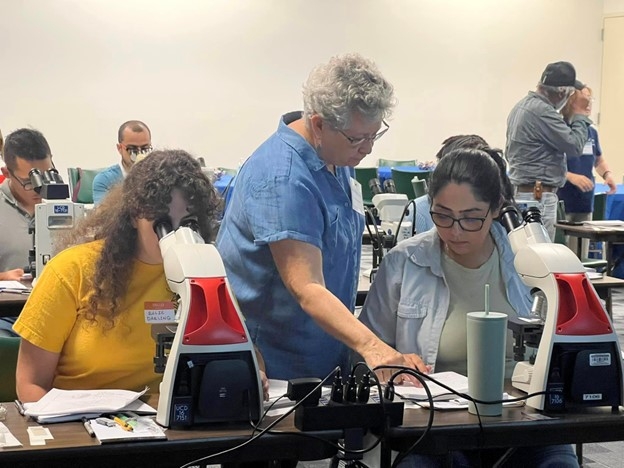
<point x="403" y="182"/>
<point x="599" y="214"/>
<point x="596" y="263"/>
<point x="600" y="207"/>
<point x="393" y="163"/>
<point x="419" y="186"/>
<point x="363" y="175"/>
<point x="9" y="346"/>
<point x="81" y="184"/>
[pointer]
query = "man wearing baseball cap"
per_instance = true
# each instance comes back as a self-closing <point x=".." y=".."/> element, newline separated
<point x="538" y="140"/>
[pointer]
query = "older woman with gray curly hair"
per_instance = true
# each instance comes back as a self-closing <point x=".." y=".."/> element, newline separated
<point x="83" y="326"/>
<point x="292" y="232"/>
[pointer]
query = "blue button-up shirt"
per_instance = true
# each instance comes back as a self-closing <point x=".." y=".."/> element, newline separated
<point x="285" y="191"/>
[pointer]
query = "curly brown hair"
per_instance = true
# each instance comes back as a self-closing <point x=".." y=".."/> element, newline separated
<point x="145" y="193"/>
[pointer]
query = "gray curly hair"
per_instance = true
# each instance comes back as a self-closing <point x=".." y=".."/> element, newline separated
<point x="346" y="84"/>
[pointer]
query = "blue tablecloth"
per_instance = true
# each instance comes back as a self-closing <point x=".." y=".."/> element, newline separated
<point x="222" y="183"/>
<point x="615" y="202"/>
<point x="385" y="172"/>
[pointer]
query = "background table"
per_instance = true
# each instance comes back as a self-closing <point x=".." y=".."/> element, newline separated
<point x="610" y="235"/>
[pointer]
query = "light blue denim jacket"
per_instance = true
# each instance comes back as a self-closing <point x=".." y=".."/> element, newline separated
<point x="408" y="302"/>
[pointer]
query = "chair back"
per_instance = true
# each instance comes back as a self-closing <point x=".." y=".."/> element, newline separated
<point x="559" y="236"/>
<point x="394" y="162"/>
<point x="419" y="186"/>
<point x="600" y="207"/>
<point x="423" y="175"/>
<point x="403" y="182"/>
<point x="9" y="346"/>
<point x="363" y="175"/>
<point x="81" y="184"/>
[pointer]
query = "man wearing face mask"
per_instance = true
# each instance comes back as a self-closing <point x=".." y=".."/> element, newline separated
<point x="134" y="142"/>
<point x="538" y="140"/>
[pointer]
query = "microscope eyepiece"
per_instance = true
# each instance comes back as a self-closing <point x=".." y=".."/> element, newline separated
<point x="375" y="186"/>
<point x="510" y="217"/>
<point x="162" y="227"/>
<point x="533" y="215"/>
<point x="36" y="179"/>
<point x="190" y="222"/>
<point x="389" y="186"/>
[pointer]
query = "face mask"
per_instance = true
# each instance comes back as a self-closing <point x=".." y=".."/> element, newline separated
<point x="136" y="156"/>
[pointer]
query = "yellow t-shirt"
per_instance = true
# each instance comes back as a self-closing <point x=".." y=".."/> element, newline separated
<point x="92" y="357"/>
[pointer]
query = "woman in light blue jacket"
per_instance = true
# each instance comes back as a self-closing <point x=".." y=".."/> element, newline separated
<point x="426" y="284"/>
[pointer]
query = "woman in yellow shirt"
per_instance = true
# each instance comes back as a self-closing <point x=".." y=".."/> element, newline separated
<point x="84" y="324"/>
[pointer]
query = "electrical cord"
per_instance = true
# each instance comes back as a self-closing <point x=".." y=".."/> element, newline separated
<point x="262" y="430"/>
<point x="405" y="211"/>
<point x="377" y="240"/>
<point x="421" y="377"/>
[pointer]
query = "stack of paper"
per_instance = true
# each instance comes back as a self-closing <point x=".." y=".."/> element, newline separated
<point x="70" y="405"/>
<point x="14" y="287"/>
<point x="456" y="381"/>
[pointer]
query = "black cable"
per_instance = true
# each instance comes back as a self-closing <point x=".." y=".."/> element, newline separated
<point x="405" y="210"/>
<point x="421" y="378"/>
<point x="263" y="430"/>
<point x="376" y="240"/>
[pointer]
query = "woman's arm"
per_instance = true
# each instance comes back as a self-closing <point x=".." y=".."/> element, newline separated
<point x="35" y="372"/>
<point x="301" y="270"/>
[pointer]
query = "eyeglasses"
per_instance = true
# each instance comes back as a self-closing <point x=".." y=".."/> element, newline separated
<point x="372" y="139"/>
<point x="138" y="149"/>
<point x="467" y="224"/>
<point x="26" y="185"/>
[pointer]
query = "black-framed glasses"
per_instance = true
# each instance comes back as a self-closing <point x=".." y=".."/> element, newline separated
<point x="372" y="139"/>
<point x="27" y="184"/>
<point x="138" y="149"/>
<point x="467" y="224"/>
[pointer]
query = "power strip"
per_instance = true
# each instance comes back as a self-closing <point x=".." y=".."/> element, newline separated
<point x="348" y="415"/>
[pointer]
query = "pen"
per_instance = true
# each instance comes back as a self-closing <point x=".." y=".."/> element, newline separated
<point x="87" y="426"/>
<point x="124" y="425"/>
<point x="20" y="407"/>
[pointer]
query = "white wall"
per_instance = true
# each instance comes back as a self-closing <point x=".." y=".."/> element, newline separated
<point x="613" y="7"/>
<point x="213" y="76"/>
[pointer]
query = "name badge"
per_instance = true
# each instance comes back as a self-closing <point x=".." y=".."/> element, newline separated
<point x="160" y="312"/>
<point x="357" y="201"/>
<point x="588" y="149"/>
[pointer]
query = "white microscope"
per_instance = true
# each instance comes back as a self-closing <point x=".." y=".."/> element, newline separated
<point x="394" y="215"/>
<point x="578" y="362"/>
<point x="211" y="371"/>
<point x="56" y="213"/>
